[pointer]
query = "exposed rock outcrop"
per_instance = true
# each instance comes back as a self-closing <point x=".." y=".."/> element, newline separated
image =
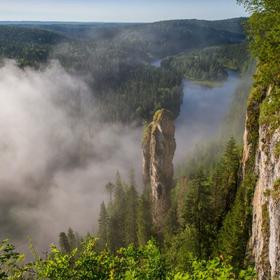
<point x="266" y="207"/>
<point x="261" y="157"/>
<point x="158" y="151"/>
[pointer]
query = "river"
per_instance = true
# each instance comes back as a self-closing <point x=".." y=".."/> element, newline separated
<point x="202" y="113"/>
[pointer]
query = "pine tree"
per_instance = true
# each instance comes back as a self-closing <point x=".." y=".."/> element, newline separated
<point x="231" y="166"/>
<point x="103" y="227"/>
<point x="181" y="199"/>
<point x="225" y="180"/>
<point x="110" y="188"/>
<point x="130" y="216"/>
<point x="116" y="224"/>
<point x="144" y="219"/>
<point x="198" y="212"/>
<point x="171" y="224"/>
<point x="72" y="238"/>
<point x="64" y="243"/>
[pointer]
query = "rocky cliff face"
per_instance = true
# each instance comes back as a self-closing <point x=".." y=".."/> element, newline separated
<point x="158" y="151"/>
<point x="261" y="157"/>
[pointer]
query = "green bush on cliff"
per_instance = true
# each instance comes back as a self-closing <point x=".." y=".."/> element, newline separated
<point x="270" y="110"/>
<point x="264" y="31"/>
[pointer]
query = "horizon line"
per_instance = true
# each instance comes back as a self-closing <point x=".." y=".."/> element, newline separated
<point x="110" y="22"/>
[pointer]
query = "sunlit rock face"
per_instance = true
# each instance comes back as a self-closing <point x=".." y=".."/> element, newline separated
<point x="158" y="151"/>
<point x="266" y="208"/>
<point x="265" y="239"/>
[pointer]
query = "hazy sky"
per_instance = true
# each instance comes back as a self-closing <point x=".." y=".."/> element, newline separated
<point x="117" y="10"/>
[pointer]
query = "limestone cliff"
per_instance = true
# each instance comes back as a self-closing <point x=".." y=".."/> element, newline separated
<point x="158" y="152"/>
<point x="261" y="158"/>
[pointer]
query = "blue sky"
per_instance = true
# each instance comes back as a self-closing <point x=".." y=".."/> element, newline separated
<point x="118" y="10"/>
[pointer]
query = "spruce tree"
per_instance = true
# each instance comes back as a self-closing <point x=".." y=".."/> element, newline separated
<point x="130" y="216"/>
<point x="64" y="243"/>
<point x="199" y="212"/>
<point x="110" y="188"/>
<point x="72" y="238"/>
<point x="103" y="227"/>
<point x="144" y="219"/>
<point x="116" y="228"/>
<point x="225" y="180"/>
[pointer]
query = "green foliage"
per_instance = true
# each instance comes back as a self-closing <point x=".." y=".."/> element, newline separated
<point x="28" y="46"/>
<point x="127" y="218"/>
<point x="69" y="241"/>
<point x="130" y="263"/>
<point x="277" y="150"/>
<point x="103" y="229"/>
<point x="264" y="31"/>
<point x="144" y="219"/>
<point x="225" y="181"/>
<point x="214" y="269"/>
<point x="116" y="58"/>
<point x="141" y="91"/>
<point x="263" y="27"/>
<point x="64" y="243"/>
<point x="270" y="110"/>
<point x="87" y="265"/>
<point x="210" y="64"/>
<point x="198" y="212"/>
<point x="198" y="66"/>
<point x="180" y="250"/>
<point x="143" y="263"/>
<point x="73" y="239"/>
<point x="256" y="98"/>
<point x="274" y="193"/>
<point x="204" y="198"/>
<point x="259" y="6"/>
<point x="234" y="234"/>
<point x="11" y="266"/>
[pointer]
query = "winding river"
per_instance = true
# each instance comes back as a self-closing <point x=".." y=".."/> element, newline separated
<point x="202" y="112"/>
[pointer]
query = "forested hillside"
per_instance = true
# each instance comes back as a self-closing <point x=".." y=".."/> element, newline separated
<point x="157" y="39"/>
<point x="114" y="58"/>
<point x="203" y="220"/>
<point x="210" y="64"/>
<point x="29" y="46"/>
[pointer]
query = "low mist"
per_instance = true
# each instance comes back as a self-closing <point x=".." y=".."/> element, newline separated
<point x="56" y="154"/>
<point x="202" y="114"/>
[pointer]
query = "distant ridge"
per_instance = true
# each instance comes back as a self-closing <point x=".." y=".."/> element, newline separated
<point x="108" y="23"/>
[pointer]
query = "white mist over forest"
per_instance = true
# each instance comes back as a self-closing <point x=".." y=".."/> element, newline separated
<point x="57" y="155"/>
<point x="139" y="139"/>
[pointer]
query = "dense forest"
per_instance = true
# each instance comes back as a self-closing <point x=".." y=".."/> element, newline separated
<point x="208" y="225"/>
<point x="210" y="64"/>
<point x="201" y="199"/>
<point x="115" y="58"/>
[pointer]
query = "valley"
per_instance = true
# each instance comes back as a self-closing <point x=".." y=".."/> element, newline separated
<point x="140" y="150"/>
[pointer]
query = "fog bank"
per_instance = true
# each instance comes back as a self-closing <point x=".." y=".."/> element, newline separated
<point x="55" y="154"/>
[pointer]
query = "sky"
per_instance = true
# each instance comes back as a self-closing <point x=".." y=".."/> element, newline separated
<point x="117" y="10"/>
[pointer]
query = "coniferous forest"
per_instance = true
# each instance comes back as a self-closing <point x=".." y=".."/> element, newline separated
<point x="211" y="212"/>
